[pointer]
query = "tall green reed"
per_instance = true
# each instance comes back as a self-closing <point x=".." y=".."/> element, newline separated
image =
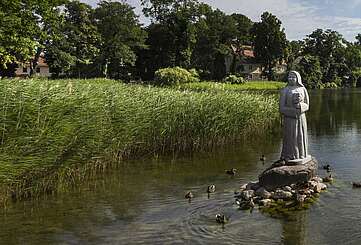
<point x="48" y="127"/>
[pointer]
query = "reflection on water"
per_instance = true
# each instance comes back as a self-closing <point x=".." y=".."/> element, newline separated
<point x="143" y="202"/>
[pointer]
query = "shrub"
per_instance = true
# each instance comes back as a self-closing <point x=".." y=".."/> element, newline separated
<point x="233" y="79"/>
<point x="175" y="75"/>
<point x="330" y="85"/>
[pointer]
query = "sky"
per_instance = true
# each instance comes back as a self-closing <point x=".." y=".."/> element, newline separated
<point x="298" y="17"/>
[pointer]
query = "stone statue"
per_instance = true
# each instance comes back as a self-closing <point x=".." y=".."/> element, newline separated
<point x="294" y="102"/>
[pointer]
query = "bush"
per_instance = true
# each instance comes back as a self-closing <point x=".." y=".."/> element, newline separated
<point x="330" y="85"/>
<point x="233" y="79"/>
<point x="175" y="75"/>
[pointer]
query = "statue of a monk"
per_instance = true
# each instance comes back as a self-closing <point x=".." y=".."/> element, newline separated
<point x="294" y="102"/>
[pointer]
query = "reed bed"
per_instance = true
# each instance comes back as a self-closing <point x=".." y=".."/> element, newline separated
<point x="248" y="86"/>
<point x="57" y="132"/>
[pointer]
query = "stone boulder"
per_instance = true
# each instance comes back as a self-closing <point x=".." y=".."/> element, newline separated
<point x="287" y="175"/>
<point x="263" y="193"/>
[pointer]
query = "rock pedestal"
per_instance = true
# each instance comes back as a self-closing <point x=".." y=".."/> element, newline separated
<point x="286" y="175"/>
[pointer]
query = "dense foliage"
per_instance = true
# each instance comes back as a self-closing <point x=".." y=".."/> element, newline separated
<point x="108" y="41"/>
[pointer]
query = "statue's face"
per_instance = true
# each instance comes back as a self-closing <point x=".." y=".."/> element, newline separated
<point x="292" y="79"/>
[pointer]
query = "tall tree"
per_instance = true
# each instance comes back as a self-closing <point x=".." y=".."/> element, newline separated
<point x="310" y="70"/>
<point x="16" y="45"/>
<point x="48" y="17"/>
<point x="294" y="53"/>
<point x="122" y="35"/>
<point x="24" y="28"/>
<point x="74" y="47"/>
<point x="159" y="10"/>
<point x="244" y="26"/>
<point x="269" y="42"/>
<point x="216" y="31"/>
<point x="329" y="47"/>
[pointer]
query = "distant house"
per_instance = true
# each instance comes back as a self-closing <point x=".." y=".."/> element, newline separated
<point x="41" y="70"/>
<point x="242" y="61"/>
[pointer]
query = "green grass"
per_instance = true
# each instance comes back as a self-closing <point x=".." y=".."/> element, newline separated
<point x="59" y="131"/>
<point x="248" y="86"/>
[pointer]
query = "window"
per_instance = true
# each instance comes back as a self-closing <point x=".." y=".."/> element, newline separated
<point x="241" y="68"/>
<point x="25" y="70"/>
<point x="37" y="69"/>
<point x="250" y="67"/>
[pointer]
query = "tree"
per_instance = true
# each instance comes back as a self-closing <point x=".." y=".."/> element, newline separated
<point x="160" y="10"/>
<point x="353" y="62"/>
<point x="216" y="31"/>
<point x="294" y="53"/>
<point x="269" y="42"/>
<point x="74" y="47"/>
<point x="160" y="52"/>
<point x="16" y="45"/>
<point x="330" y="47"/>
<point x="121" y="35"/>
<point x="244" y="26"/>
<point x="310" y="69"/>
<point x="25" y="28"/>
<point x="48" y="17"/>
<point x="171" y="37"/>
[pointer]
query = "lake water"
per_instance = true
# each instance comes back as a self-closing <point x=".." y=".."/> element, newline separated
<point x="143" y="202"/>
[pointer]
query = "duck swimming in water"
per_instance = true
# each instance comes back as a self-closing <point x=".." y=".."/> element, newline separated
<point x="245" y="204"/>
<point x="232" y="171"/>
<point x="262" y="158"/>
<point x="356" y="184"/>
<point x="189" y="195"/>
<point x="211" y="188"/>
<point x="222" y="219"/>
<point x="327" y="167"/>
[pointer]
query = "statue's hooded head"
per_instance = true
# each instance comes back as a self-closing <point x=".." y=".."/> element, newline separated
<point x="299" y="80"/>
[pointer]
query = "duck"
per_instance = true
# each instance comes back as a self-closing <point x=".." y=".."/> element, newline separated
<point x="246" y="204"/>
<point x="222" y="219"/>
<point x="327" y="178"/>
<point x="327" y="167"/>
<point x="262" y="158"/>
<point x="211" y="188"/>
<point x="356" y="184"/>
<point x="231" y="171"/>
<point x="189" y="195"/>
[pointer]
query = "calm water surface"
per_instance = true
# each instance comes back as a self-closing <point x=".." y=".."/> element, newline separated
<point x="143" y="202"/>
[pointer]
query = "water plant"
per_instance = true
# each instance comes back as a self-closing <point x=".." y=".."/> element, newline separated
<point x="60" y="131"/>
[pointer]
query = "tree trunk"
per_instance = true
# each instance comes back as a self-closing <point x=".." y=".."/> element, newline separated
<point x="269" y="75"/>
<point x="105" y="71"/>
<point x="34" y="62"/>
